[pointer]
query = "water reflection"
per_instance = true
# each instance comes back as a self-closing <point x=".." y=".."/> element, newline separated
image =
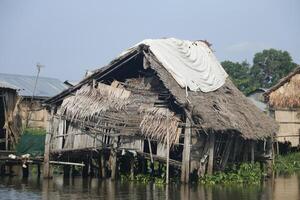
<point x="281" y="187"/>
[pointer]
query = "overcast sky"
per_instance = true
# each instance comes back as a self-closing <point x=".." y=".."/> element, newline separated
<point x="69" y="36"/>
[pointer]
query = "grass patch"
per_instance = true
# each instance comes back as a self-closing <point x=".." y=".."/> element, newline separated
<point x="245" y="174"/>
<point x="287" y="163"/>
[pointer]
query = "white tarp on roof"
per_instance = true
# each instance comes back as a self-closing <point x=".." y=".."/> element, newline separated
<point x="191" y="64"/>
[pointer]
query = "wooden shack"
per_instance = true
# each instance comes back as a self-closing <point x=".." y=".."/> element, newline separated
<point x="10" y="121"/>
<point x="135" y="104"/>
<point x="33" y="92"/>
<point x="284" y="105"/>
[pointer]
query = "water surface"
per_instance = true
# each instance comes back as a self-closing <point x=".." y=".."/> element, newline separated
<point x="281" y="188"/>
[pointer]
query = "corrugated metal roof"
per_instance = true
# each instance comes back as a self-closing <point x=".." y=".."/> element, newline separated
<point x="46" y="87"/>
<point x="6" y="85"/>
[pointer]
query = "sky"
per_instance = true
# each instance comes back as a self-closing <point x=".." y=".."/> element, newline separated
<point x="69" y="37"/>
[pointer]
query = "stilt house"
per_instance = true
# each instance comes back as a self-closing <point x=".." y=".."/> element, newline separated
<point x="284" y="105"/>
<point x="159" y="94"/>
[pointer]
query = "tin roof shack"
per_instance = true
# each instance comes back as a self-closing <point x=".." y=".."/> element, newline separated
<point x="32" y="112"/>
<point x="158" y="92"/>
<point x="10" y="122"/>
<point x="284" y="105"/>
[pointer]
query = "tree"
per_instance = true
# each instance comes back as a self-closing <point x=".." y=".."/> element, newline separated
<point x="269" y="66"/>
<point x="239" y="74"/>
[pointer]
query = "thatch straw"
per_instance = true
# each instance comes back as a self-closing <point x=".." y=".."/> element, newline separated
<point x="157" y="122"/>
<point x="288" y="95"/>
<point x="89" y="101"/>
<point x="107" y="106"/>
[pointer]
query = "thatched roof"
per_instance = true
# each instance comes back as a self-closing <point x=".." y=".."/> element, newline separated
<point x="225" y="109"/>
<point x="286" y="93"/>
<point x="117" y="110"/>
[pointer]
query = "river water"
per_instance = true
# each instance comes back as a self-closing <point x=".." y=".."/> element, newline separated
<point x="281" y="188"/>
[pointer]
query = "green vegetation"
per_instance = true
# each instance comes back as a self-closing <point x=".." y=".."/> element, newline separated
<point x="144" y="178"/>
<point x="32" y="141"/>
<point x="269" y="66"/>
<point x="287" y="163"/>
<point x="245" y="174"/>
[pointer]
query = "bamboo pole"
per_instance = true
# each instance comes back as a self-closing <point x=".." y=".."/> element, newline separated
<point x="66" y="163"/>
<point x="168" y="150"/>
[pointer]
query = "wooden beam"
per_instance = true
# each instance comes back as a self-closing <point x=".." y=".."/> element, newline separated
<point x="47" y="170"/>
<point x="66" y="163"/>
<point x="210" y="164"/>
<point x="185" y="167"/>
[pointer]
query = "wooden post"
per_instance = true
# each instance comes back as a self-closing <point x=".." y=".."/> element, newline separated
<point x="226" y="152"/>
<point x="47" y="170"/>
<point x="101" y="165"/>
<point x="245" y="153"/>
<point x="113" y="154"/>
<point x="252" y="151"/>
<point x="236" y="148"/>
<point x="132" y="167"/>
<point x="25" y="170"/>
<point x="67" y="169"/>
<point x="38" y="169"/>
<point x="269" y="152"/>
<point x="85" y="169"/>
<point x="168" y="150"/>
<point x="185" y="164"/>
<point x="113" y="164"/>
<point x="211" y="153"/>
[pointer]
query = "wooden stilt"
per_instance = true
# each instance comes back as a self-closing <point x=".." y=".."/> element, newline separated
<point x="113" y="164"/>
<point x="25" y="170"/>
<point x="237" y="145"/>
<point x="132" y="168"/>
<point x="67" y="169"/>
<point x="47" y="171"/>
<point x="269" y="157"/>
<point x="113" y="155"/>
<point x="38" y="170"/>
<point x="246" y="151"/>
<point x="252" y="151"/>
<point x="226" y="152"/>
<point x="100" y="163"/>
<point x="210" y="165"/>
<point x="185" y="166"/>
<point x="168" y="151"/>
<point x="85" y="169"/>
